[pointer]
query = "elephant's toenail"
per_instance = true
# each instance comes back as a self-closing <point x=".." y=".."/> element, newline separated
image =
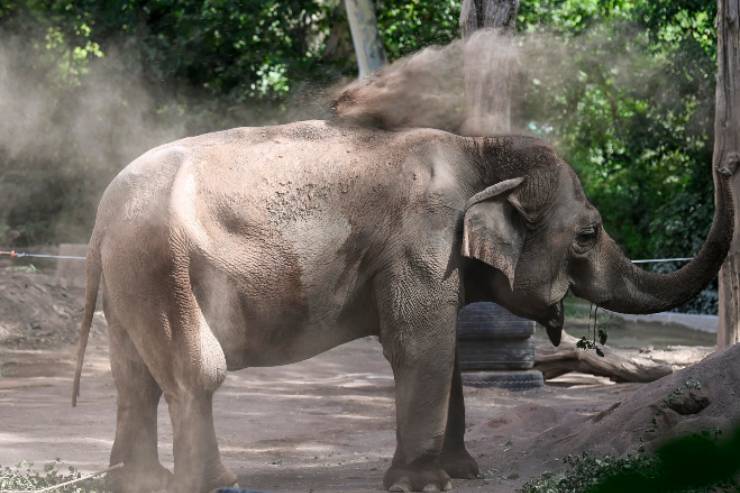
<point x="430" y="488"/>
<point x="448" y="485"/>
<point x="401" y="487"/>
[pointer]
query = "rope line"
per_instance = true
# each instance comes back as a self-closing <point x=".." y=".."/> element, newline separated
<point x="16" y="254"/>
<point x="661" y="260"/>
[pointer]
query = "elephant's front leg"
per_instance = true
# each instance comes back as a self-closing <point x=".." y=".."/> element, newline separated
<point x="418" y="337"/>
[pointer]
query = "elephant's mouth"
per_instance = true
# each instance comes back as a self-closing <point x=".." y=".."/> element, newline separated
<point x="553" y="322"/>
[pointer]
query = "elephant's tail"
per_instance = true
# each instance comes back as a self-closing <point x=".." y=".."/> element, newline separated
<point x="92" y="273"/>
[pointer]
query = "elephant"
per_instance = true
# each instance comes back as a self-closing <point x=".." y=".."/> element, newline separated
<point x="264" y="246"/>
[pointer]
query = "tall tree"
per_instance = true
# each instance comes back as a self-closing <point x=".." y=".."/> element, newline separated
<point x="486" y="27"/>
<point x="488" y="65"/>
<point x="496" y="14"/>
<point x="727" y="151"/>
<point x="364" y="26"/>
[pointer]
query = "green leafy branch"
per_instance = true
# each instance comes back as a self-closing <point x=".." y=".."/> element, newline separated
<point x="599" y="334"/>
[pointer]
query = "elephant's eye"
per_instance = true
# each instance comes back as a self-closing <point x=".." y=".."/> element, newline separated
<point x="587" y="236"/>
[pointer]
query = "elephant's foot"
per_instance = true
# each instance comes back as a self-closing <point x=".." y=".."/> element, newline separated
<point x="220" y="477"/>
<point x="459" y="464"/>
<point x="139" y="479"/>
<point x="216" y="477"/>
<point x="427" y="478"/>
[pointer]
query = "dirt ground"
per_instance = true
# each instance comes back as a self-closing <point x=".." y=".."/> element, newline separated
<point x="322" y="425"/>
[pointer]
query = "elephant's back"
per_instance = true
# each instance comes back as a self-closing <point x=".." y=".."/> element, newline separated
<point x="300" y="172"/>
<point x="269" y="186"/>
<point x="263" y="161"/>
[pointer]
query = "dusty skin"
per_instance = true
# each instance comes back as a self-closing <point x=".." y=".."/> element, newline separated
<point x="211" y="260"/>
<point x="322" y="425"/>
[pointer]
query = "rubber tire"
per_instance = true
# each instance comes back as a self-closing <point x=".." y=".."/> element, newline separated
<point x="480" y="354"/>
<point x="491" y="321"/>
<point x="510" y="380"/>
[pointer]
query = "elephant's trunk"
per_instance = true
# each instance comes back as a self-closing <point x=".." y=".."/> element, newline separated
<point x="623" y="287"/>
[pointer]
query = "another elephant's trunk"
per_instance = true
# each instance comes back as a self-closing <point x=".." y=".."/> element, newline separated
<point x="623" y="287"/>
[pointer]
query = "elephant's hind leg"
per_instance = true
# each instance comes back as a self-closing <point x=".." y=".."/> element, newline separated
<point x="198" y="465"/>
<point x="172" y="340"/>
<point x="135" y="444"/>
<point x="455" y="459"/>
<point x="197" y="367"/>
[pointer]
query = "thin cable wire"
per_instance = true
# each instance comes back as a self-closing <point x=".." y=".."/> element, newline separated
<point x="661" y="260"/>
<point x="14" y="254"/>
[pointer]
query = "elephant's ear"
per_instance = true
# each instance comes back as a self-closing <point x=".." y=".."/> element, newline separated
<point x="492" y="232"/>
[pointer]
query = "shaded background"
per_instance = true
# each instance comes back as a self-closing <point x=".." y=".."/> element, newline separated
<point x="86" y="86"/>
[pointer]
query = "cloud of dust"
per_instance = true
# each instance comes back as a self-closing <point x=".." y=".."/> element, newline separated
<point x="59" y="147"/>
<point x="422" y="90"/>
<point x="481" y="86"/>
<point x="62" y="141"/>
<point x="463" y="87"/>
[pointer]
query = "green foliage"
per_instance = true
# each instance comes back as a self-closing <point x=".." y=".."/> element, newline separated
<point x="24" y="477"/>
<point x="696" y="463"/>
<point x="699" y="463"/>
<point x="107" y="80"/>
<point x="631" y="107"/>
<point x="598" y="334"/>
<point x="230" y="51"/>
<point x="629" y="102"/>
<point x="584" y="472"/>
<point x="407" y="26"/>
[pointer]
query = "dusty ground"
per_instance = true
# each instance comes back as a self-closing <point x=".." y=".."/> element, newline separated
<point x="323" y="425"/>
<point x="35" y="312"/>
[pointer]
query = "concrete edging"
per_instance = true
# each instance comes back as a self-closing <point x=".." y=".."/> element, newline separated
<point x="704" y="323"/>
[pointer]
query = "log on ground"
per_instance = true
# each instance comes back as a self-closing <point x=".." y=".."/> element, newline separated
<point x="567" y="357"/>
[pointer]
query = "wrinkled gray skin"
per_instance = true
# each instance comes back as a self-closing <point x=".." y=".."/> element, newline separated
<point x="266" y="246"/>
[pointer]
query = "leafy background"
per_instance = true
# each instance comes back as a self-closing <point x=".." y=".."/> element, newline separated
<point x="630" y="104"/>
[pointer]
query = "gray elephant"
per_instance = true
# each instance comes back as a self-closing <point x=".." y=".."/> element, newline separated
<point x="266" y="246"/>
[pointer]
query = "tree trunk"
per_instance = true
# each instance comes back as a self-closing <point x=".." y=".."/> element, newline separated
<point x="365" y="37"/>
<point x="726" y="148"/>
<point x="488" y="59"/>
<point x="479" y="14"/>
<point x="486" y="27"/>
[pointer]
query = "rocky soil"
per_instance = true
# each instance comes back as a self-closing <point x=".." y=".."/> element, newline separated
<point x="36" y="312"/>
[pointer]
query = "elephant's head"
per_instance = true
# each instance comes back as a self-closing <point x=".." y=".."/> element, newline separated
<point x="532" y="235"/>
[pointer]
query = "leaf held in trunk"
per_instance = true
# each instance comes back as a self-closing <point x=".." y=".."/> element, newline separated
<point x="603" y="336"/>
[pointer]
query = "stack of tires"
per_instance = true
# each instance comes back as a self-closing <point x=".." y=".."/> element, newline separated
<point x="496" y="348"/>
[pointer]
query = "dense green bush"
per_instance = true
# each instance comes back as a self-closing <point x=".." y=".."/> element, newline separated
<point x="698" y="463"/>
<point x="631" y="107"/>
<point x="584" y="472"/>
<point x="629" y="104"/>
